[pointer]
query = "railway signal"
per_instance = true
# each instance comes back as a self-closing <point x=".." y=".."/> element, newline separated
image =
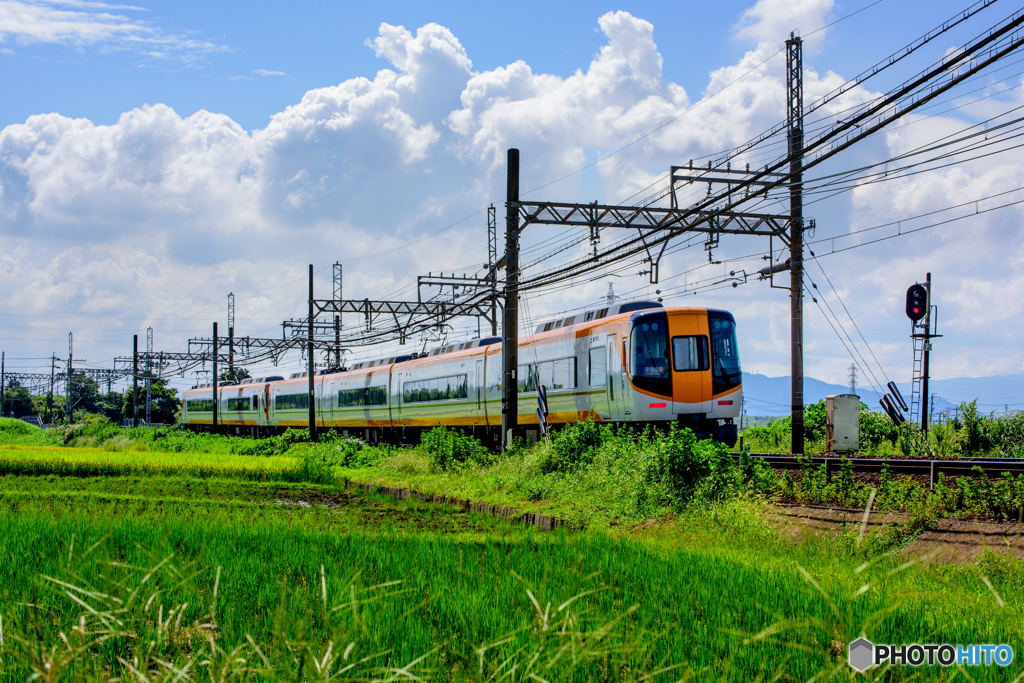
<point x="917" y="302"/>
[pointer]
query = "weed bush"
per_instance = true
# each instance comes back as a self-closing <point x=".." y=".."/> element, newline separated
<point x="972" y="431"/>
<point x="773" y="437"/>
<point x="18" y="431"/>
<point x="1008" y="432"/>
<point x="574" y="446"/>
<point x="449" y="449"/>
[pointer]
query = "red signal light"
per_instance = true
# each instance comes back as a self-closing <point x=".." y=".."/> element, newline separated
<point x="917" y="302"/>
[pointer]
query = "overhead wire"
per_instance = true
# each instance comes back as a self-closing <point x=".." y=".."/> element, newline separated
<point x="865" y="367"/>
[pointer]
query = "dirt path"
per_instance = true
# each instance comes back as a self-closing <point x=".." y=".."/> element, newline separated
<point x="956" y="540"/>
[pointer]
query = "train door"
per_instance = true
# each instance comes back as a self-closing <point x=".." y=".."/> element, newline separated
<point x="626" y="396"/>
<point x="614" y="392"/>
<point x="690" y="367"/>
<point x="271" y="411"/>
<point x="597" y="384"/>
<point x="392" y="396"/>
<point x="480" y="398"/>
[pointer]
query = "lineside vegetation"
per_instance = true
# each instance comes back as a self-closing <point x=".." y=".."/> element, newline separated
<point x="170" y="556"/>
<point x="971" y="434"/>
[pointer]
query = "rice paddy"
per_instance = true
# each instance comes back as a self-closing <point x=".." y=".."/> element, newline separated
<point x="144" y="565"/>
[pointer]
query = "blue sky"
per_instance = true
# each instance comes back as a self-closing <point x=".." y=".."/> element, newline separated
<point x="323" y="43"/>
<point x="154" y="157"/>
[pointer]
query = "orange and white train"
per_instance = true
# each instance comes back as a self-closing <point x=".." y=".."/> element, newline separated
<point x="635" y="363"/>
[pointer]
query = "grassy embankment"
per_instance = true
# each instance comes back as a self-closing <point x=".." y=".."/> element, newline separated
<point x="970" y="434"/>
<point x="234" y="567"/>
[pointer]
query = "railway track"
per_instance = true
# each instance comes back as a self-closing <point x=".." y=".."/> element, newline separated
<point x="993" y="467"/>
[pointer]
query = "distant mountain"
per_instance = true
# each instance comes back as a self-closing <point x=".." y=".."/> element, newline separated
<point x="770" y="395"/>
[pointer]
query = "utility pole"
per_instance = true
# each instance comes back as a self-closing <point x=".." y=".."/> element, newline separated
<point x="216" y="398"/>
<point x="311" y="373"/>
<point x="337" y="341"/>
<point x="135" y="380"/>
<point x="492" y="263"/>
<point x="149" y="375"/>
<point x="3" y="380"/>
<point x="71" y="377"/>
<point x="49" y="401"/>
<point x="795" y="122"/>
<point x="231" y="336"/>
<point x="337" y="318"/>
<point x="510" y="325"/>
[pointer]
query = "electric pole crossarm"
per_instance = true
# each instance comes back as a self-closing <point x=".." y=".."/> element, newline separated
<point x="697" y="175"/>
<point x="677" y="220"/>
<point x="395" y="308"/>
<point x="618" y="252"/>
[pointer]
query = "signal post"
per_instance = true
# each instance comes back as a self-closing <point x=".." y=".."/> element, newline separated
<point x="919" y="307"/>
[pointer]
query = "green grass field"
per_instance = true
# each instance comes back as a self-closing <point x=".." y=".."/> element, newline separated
<point x="16" y="459"/>
<point x="150" y="565"/>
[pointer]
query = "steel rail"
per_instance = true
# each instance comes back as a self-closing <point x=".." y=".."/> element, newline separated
<point x="992" y="467"/>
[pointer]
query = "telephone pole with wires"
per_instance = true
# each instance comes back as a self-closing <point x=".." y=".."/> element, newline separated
<point x="231" y="339"/>
<point x="510" y="327"/>
<point x="71" y="375"/>
<point x="149" y="375"/>
<point x="795" y="121"/>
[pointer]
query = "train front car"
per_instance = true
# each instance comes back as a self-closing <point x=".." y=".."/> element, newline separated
<point x="684" y="366"/>
<point x="197" y="408"/>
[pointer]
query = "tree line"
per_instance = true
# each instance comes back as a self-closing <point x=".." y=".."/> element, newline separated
<point x="88" y="399"/>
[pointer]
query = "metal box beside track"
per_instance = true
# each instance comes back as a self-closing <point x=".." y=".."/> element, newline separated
<point x="842" y="423"/>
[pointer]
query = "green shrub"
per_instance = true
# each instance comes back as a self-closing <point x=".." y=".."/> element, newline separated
<point x="449" y="448"/>
<point x="12" y="428"/>
<point x="876" y="427"/>
<point x="573" y="446"/>
<point x="1008" y="434"/>
<point x="972" y="436"/>
<point x="815" y="415"/>
<point x="773" y="437"/>
<point x="680" y="463"/>
<point x="721" y="480"/>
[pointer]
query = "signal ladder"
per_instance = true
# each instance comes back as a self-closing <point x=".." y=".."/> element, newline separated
<point x="915" y="391"/>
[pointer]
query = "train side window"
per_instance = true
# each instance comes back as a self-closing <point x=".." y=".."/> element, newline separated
<point x="690" y="353"/>
<point x="598" y="366"/>
<point x="526" y="377"/>
<point x="563" y="374"/>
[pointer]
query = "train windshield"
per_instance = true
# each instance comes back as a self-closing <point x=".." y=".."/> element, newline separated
<point x="725" y="356"/>
<point x="649" y="349"/>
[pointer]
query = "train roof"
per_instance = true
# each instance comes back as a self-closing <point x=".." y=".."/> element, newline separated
<point x="597" y="314"/>
<point x="449" y="348"/>
<point x="247" y="380"/>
